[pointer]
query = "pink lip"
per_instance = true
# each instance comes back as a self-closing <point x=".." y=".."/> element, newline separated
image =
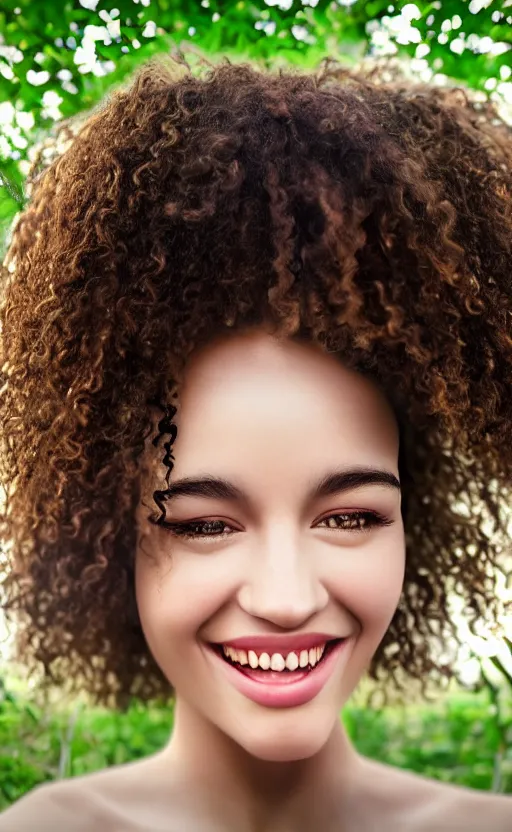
<point x="280" y="644"/>
<point x="276" y="690"/>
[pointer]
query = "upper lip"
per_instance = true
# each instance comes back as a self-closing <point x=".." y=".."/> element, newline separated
<point x="280" y="644"/>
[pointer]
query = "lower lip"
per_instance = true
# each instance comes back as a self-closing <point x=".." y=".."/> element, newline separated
<point x="277" y="693"/>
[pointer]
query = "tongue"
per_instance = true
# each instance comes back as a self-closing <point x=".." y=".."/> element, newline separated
<point x="273" y="677"/>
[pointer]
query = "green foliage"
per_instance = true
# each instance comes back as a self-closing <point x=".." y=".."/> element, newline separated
<point x="61" y="58"/>
<point x="455" y="740"/>
<point x="499" y="693"/>
<point x="441" y="26"/>
<point x="36" y="746"/>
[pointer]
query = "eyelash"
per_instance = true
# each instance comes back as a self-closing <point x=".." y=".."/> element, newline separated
<point x="372" y="519"/>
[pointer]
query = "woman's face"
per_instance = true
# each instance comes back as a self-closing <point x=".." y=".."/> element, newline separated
<point x="277" y="565"/>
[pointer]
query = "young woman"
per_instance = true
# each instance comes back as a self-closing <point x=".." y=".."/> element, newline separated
<point x="257" y="429"/>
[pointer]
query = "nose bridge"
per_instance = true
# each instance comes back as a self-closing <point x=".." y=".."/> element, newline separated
<point x="283" y="585"/>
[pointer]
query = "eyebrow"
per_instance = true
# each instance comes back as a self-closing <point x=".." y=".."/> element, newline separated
<point x="334" y="482"/>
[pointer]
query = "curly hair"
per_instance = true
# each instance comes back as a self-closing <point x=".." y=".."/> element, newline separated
<point x="372" y="218"/>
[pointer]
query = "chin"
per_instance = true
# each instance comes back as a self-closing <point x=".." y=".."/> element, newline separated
<point x="291" y="740"/>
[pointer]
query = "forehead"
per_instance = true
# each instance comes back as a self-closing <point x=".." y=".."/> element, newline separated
<point x="253" y="397"/>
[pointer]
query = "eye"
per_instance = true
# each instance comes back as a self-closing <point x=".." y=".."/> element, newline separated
<point x="199" y="528"/>
<point x="359" y="521"/>
<point x="353" y="521"/>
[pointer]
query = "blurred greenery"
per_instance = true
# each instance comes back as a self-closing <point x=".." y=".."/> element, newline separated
<point x="61" y="58"/>
<point x="455" y="740"/>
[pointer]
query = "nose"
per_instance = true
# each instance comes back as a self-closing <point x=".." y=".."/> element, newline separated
<point x="283" y="586"/>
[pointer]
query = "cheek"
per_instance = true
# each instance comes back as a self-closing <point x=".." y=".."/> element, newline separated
<point x="167" y="616"/>
<point x="369" y="584"/>
<point x="178" y="594"/>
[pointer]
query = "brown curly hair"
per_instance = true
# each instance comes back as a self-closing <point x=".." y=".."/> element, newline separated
<point x="371" y="218"/>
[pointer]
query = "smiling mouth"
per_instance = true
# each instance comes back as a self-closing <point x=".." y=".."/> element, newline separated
<point x="276" y="663"/>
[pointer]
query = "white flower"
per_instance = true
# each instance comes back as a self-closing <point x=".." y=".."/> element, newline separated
<point x="150" y="29"/>
<point x="26" y="120"/>
<point x="37" y="78"/>
<point x="6" y="112"/>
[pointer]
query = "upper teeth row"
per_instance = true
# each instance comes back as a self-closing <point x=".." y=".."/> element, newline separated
<point x="276" y="661"/>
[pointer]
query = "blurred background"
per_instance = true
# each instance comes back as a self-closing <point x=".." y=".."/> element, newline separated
<point x="59" y="60"/>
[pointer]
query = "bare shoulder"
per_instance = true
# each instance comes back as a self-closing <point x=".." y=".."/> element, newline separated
<point x="76" y="804"/>
<point x="134" y="797"/>
<point x="471" y="810"/>
<point x="419" y="804"/>
<point x="53" y="807"/>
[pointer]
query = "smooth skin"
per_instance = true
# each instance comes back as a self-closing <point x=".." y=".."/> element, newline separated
<point x="273" y="418"/>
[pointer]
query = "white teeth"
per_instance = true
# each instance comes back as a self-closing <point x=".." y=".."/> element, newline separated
<point x="277" y="662"/>
<point x="253" y="659"/>
<point x="264" y="661"/>
<point x="292" y="661"/>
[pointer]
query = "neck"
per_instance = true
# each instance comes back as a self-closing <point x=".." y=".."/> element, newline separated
<point x="257" y="794"/>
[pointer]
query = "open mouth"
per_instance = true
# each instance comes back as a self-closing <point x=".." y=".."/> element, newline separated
<point x="281" y="681"/>
<point x="277" y="664"/>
